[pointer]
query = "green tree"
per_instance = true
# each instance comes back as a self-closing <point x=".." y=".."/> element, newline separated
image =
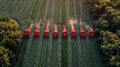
<point x="110" y="48"/>
<point x="104" y="24"/>
<point x="5" y="57"/>
<point x="9" y="43"/>
<point x="118" y="33"/>
<point x="107" y="20"/>
<point x="10" y="37"/>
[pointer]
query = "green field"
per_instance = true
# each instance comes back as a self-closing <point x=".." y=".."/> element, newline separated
<point x="52" y="52"/>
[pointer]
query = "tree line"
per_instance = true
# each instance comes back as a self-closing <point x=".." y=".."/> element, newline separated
<point x="10" y="37"/>
<point x="106" y="21"/>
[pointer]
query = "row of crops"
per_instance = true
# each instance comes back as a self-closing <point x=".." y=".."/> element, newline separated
<point x="52" y="52"/>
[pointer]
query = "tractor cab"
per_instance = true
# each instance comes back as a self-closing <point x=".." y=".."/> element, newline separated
<point x="36" y="33"/>
<point x="46" y="33"/>
<point x="74" y="33"/>
<point x="82" y="33"/>
<point x="27" y="33"/>
<point x="91" y="33"/>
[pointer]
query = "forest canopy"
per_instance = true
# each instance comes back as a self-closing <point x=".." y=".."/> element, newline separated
<point x="106" y="21"/>
<point x="10" y="37"/>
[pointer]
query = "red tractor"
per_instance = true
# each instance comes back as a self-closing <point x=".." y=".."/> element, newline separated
<point x="46" y="33"/>
<point x="82" y="33"/>
<point x="36" y="33"/>
<point x="64" y="32"/>
<point x="73" y="33"/>
<point x="37" y="30"/>
<point x="91" y="33"/>
<point x="55" y="33"/>
<point x="27" y="33"/>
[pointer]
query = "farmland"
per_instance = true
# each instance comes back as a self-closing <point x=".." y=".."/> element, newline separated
<point x="42" y="52"/>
